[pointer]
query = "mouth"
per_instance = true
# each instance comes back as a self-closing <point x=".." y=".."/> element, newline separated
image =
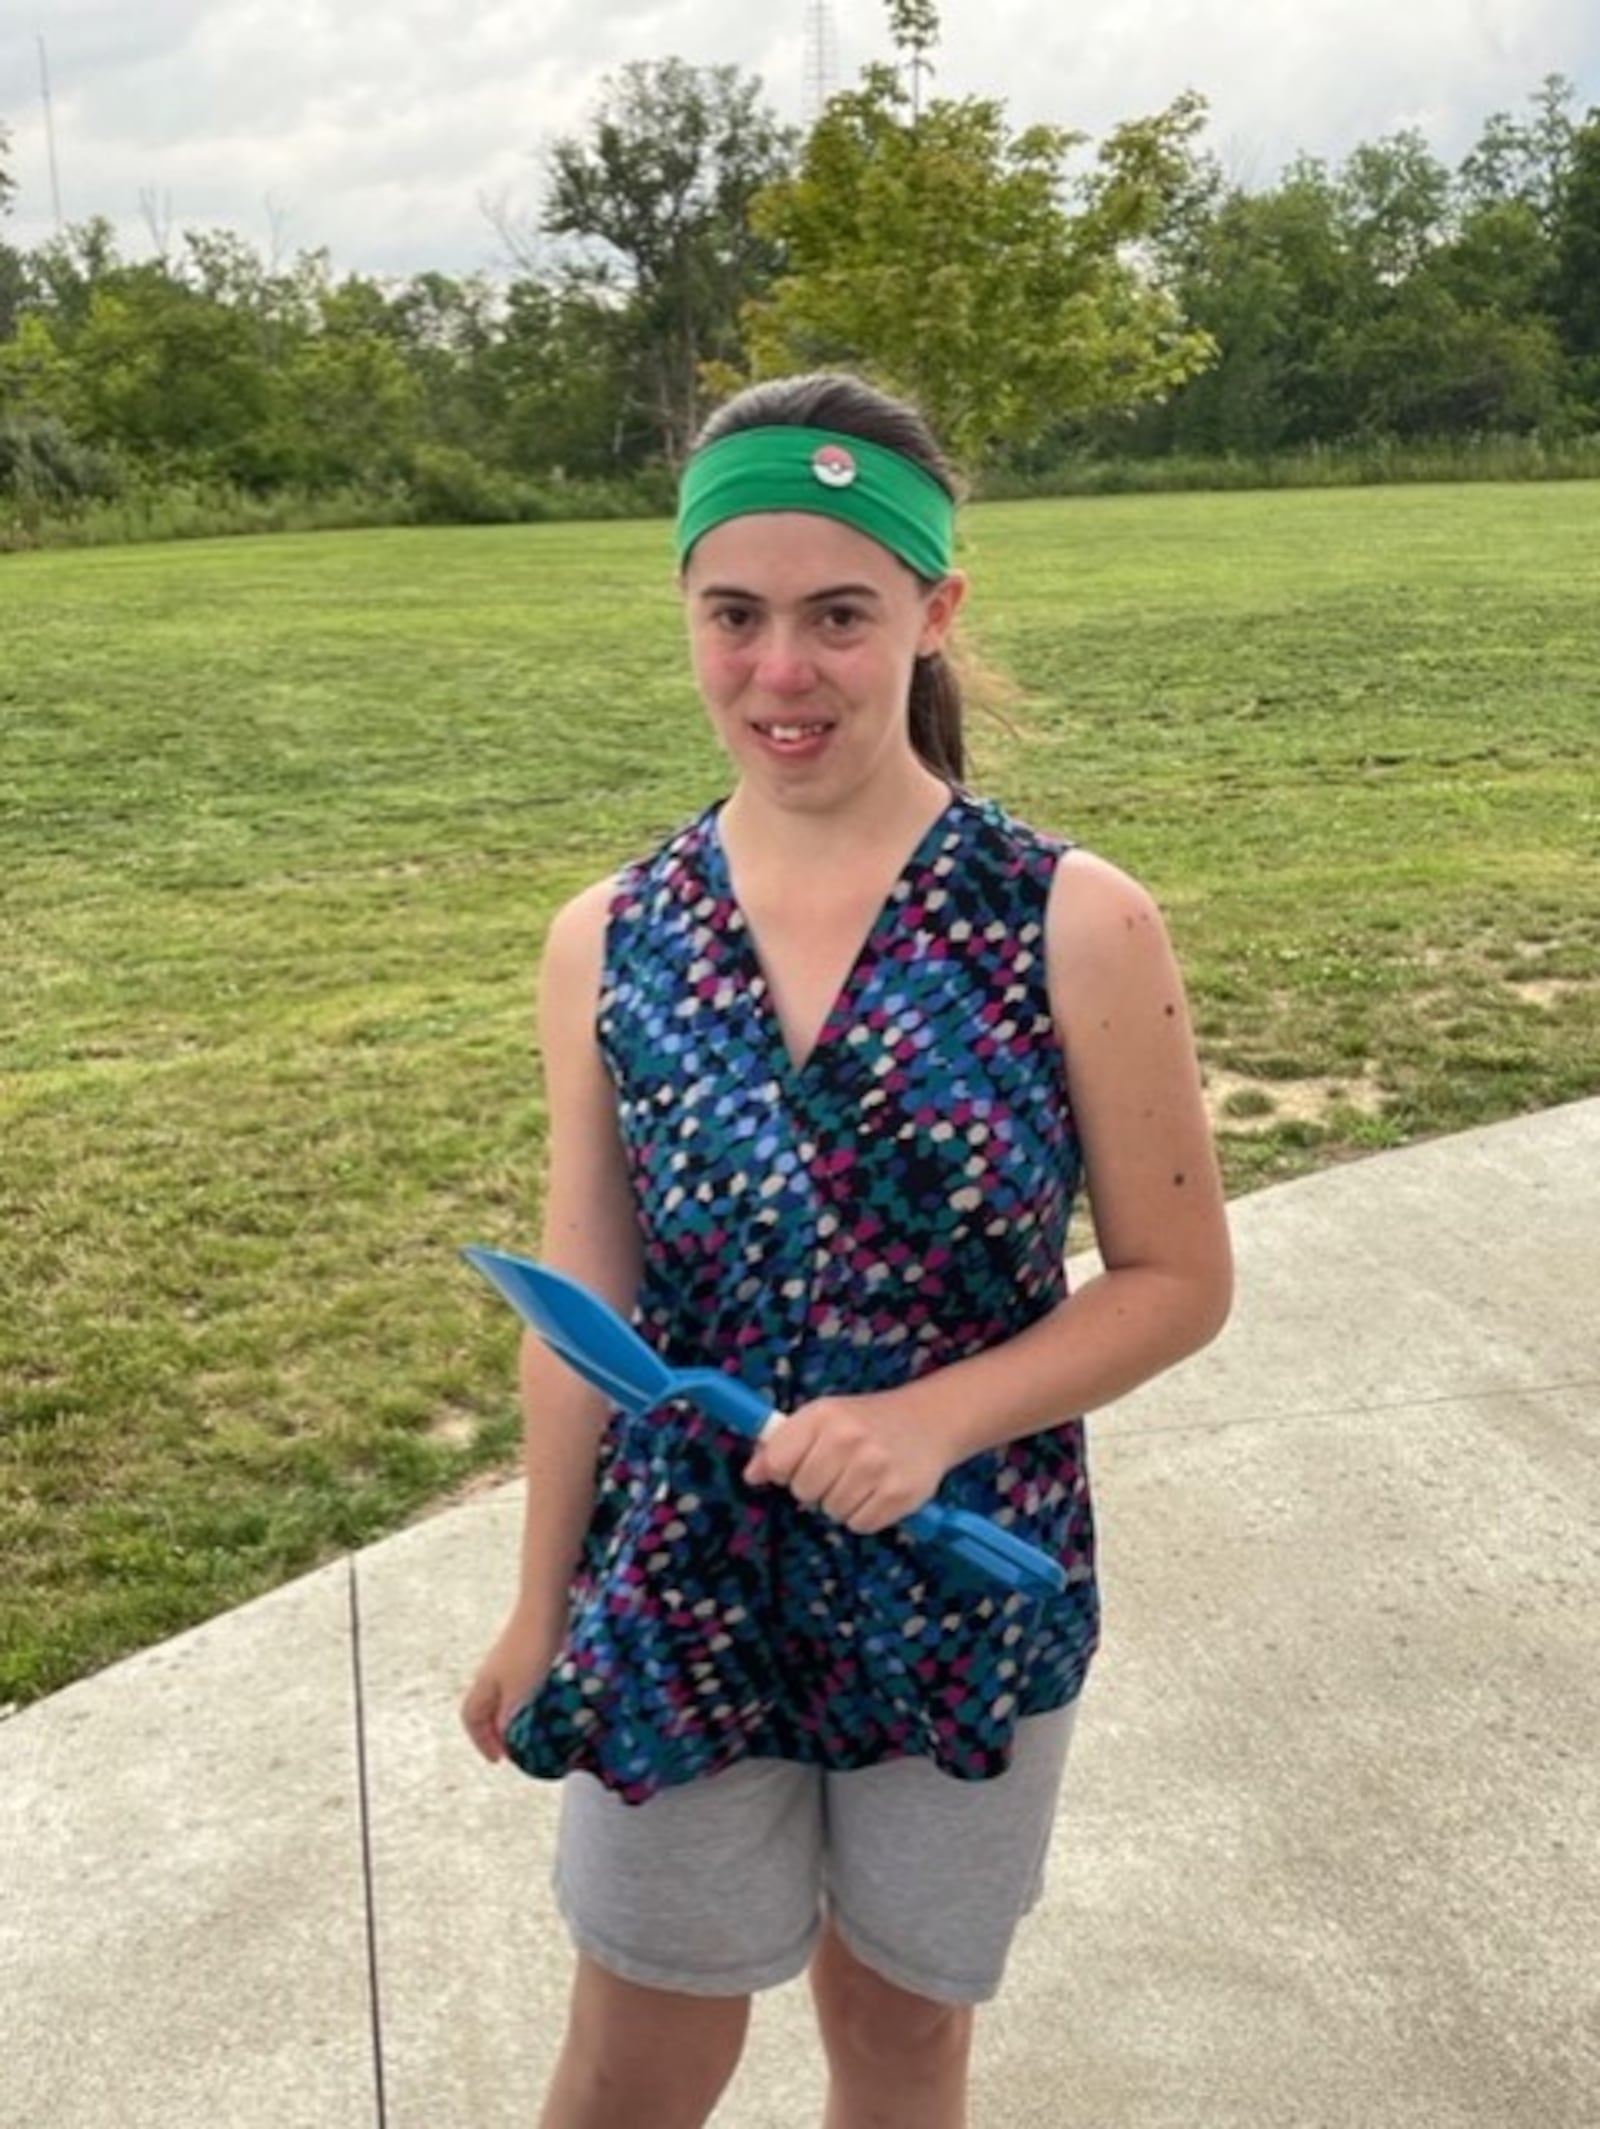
<point x="791" y="734"/>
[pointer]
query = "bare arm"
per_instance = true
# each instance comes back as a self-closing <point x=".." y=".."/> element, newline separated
<point x="1123" y="1021"/>
<point x="591" y="1234"/>
<point x="1167" y="1283"/>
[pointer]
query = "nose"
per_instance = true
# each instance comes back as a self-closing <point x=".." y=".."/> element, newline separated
<point x="783" y="666"/>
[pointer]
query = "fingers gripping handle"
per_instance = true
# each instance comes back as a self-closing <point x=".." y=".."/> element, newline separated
<point x="998" y="1553"/>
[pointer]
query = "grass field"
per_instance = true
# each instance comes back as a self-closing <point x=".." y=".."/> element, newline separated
<point x="283" y="822"/>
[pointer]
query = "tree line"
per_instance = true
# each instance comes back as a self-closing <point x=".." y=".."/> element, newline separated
<point x="1046" y="298"/>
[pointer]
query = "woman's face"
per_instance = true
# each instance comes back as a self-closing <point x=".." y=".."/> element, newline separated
<point x="803" y="633"/>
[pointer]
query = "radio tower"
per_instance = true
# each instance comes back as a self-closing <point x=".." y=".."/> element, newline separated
<point x="822" y="59"/>
<point x="50" y="132"/>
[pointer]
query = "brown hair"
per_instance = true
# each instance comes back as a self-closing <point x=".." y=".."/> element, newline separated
<point x="831" y="400"/>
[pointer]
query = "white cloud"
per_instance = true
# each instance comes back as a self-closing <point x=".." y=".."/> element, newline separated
<point x="379" y="130"/>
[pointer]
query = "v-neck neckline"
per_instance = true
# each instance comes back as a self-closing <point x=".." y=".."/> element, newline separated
<point x="785" y="1063"/>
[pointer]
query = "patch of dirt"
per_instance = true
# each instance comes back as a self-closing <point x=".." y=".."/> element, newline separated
<point x="1270" y="1102"/>
<point x="1547" y="992"/>
<point x="455" y="1428"/>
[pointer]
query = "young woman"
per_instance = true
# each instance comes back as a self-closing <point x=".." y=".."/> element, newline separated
<point x="825" y="1073"/>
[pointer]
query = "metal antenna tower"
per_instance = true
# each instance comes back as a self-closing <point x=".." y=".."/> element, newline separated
<point x="822" y="58"/>
<point x="50" y="132"/>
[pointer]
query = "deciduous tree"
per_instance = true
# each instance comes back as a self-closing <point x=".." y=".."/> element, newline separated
<point x="1394" y="205"/>
<point x="914" y="32"/>
<point x="1575" y="280"/>
<point x="351" y="401"/>
<point x="11" y="269"/>
<point x="169" y="376"/>
<point x="965" y="264"/>
<point x="659" y="195"/>
<point x="558" y="372"/>
<point x="1523" y="159"/>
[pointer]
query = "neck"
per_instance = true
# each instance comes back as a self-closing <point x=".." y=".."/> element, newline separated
<point x="883" y="819"/>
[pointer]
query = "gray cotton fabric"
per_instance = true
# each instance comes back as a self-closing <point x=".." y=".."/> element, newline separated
<point x="720" y="1887"/>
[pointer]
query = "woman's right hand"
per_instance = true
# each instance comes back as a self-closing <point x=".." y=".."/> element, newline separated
<point x="506" y="1681"/>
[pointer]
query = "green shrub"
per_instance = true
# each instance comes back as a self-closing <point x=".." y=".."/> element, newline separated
<point x="1361" y="463"/>
<point x="451" y="487"/>
<point x="42" y="463"/>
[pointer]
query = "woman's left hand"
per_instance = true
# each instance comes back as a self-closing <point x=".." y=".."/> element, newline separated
<point x="859" y="1459"/>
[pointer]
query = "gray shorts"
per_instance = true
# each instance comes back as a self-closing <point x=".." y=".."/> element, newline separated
<point x="720" y="1887"/>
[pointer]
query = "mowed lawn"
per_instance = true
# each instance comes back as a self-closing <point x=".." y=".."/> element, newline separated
<point x="283" y="822"/>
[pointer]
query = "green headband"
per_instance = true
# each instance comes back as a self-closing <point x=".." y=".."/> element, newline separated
<point x="826" y="474"/>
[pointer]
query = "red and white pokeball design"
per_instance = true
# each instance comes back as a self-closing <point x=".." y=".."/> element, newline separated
<point x="834" y="466"/>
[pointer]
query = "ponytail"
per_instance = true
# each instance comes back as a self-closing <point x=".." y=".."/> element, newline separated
<point x="936" y="729"/>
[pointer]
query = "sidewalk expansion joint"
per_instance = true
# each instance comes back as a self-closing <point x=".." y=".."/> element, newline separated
<point x="364" y="1795"/>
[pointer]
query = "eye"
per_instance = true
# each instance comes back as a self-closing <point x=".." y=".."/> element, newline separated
<point x="842" y="620"/>
<point x="731" y="618"/>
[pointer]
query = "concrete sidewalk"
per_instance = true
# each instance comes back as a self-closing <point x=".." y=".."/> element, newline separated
<point x="1332" y="1852"/>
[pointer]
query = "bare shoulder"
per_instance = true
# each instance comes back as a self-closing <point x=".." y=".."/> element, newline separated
<point x="1104" y="927"/>
<point x="570" y="972"/>
<point x="1121" y="1014"/>
<point x="576" y="937"/>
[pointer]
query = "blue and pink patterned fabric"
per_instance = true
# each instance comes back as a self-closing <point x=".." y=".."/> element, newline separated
<point x="897" y="1201"/>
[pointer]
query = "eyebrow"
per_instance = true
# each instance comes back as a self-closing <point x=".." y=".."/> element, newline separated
<point x="811" y="598"/>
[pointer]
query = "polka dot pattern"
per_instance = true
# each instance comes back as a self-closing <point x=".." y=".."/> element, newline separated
<point x="895" y="1203"/>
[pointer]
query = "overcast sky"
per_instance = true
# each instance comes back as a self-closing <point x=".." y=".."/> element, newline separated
<point x="381" y="130"/>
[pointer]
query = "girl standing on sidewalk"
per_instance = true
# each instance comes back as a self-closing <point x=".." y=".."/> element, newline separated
<point x="825" y="1074"/>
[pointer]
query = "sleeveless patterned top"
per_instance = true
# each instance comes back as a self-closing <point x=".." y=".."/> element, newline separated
<point x="895" y="1203"/>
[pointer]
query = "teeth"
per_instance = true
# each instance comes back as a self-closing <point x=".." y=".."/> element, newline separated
<point x="795" y="731"/>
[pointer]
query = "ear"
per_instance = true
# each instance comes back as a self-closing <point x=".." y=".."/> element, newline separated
<point x="939" y="609"/>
